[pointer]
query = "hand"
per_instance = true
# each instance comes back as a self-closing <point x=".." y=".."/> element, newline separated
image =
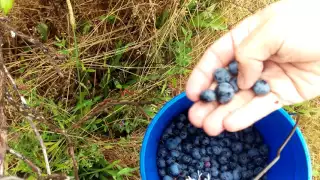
<point x="280" y="44"/>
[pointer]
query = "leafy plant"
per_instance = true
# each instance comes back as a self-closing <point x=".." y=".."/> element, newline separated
<point x="43" y="30"/>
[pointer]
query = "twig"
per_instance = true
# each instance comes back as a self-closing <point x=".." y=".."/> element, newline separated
<point x="55" y="177"/>
<point x="37" y="43"/>
<point x="34" y="168"/>
<point x="10" y="178"/>
<point x="29" y="117"/>
<point x="74" y="162"/>
<point x="3" y="119"/>
<point x="101" y="106"/>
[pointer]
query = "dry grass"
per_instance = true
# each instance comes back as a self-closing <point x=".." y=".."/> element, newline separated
<point x="144" y="57"/>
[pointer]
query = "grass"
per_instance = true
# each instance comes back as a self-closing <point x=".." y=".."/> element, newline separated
<point x="136" y="51"/>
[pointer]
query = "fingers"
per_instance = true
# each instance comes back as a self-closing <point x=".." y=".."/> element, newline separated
<point x="264" y="41"/>
<point x="256" y="109"/>
<point x="199" y="111"/>
<point x="213" y="123"/>
<point x="218" y="55"/>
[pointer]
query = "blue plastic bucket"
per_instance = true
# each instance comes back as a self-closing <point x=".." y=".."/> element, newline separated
<point x="294" y="163"/>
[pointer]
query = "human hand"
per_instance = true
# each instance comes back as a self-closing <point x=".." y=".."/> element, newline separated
<point x="280" y="44"/>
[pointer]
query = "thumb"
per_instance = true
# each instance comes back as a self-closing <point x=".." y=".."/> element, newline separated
<point x="262" y="42"/>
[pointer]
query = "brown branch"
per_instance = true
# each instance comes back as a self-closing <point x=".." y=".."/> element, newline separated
<point x="74" y="161"/>
<point x="48" y="51"/>
<point x="101" y="106"/>
<point x="34" y="168"/>
<point x="55" y="177"/>
<point x="3" y="119"/>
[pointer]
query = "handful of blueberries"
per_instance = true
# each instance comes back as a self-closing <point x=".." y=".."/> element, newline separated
<point x="228" y="85"/>
<point x="187" y="153"/>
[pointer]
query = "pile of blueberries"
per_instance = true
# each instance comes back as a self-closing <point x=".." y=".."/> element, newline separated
<point x="228" y="85"/>
<point x="187" y="152"/>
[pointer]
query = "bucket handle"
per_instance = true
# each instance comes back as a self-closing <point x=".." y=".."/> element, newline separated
<point x="275" y="160"/>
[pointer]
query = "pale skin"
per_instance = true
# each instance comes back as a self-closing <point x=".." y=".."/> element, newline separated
<point x="280" y="44"/>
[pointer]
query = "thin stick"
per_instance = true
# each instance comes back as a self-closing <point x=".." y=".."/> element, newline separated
<point x="74" y="162"/>
<point x="29" y="118"/>
<point x="34" y="168"/>
<point x="3" y="119"/>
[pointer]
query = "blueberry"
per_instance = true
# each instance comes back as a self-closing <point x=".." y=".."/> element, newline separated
<point x="203" y="151"/>
<point x="205" y="141"/>
<point x="175" y="153"/>
<point x="222" y="75"/>
<point x="233" y="165"/>
<point x="191" y="169"/>
<point x="161" y="163"/>
<point x="179" y="125"/>
<point x="214" y="163"/>
<point x="209" y="150"/>
<point x="162" y="152"/>
<point x="233" y="67"/>
<point x="264" y="150"/>
<point x="226" y="152"/>
<point x="253" y="153"/>
<point x="196" y="153"/>
<point x="248" y="129"/>
<point x="236" y="174"/>
<point x="259" y="161"/>
<point x="208" y="95"/>
<point x="251" y="166"/>
<point x="200" y="165"/>
<point x="205" y="158"/>
<point x="237" y="147"/>
<point x="183" y="166"/>
<point x="183" y="174"/>
<point x="192" y="129"/>
<point x="243" y="158"/>
<point x="174" y="169"/>
<point x="249" y="138"/>
<point x="172" y="143"/>
<point x="196" y="141"/>
<point x="162" y="172"/>
<point x="224" y="168"/>
<point x="182" y="117"/>
<point x="187" y="147"/>
<point x="226" y="176"/>
<point x="179" y="148"/>
<point x="176" y="132"/>
<point x="234" y="158"/>
<point x="261" y="87"/>
<point x="170" y="160"/>
<point x="217" y="150"/>
<point x="205" y="175"/>
<point x="247" y="147"/>
<point x="214" y="172"/>
<point x="207" y="164"/>
<point x="167" y="178"/>
<point x="225" y="92"/>
<point x="257" y="170"/>
<point x="186" y="159"/>
<point x="194" y="162"/>
<point x="223" y="160"/>
<point x="247" y="174"/>
<point x="226" y="142"/>
<point x="183" y="134"/>
<point x="194" y="175"/>
<point x="234" y="84"/>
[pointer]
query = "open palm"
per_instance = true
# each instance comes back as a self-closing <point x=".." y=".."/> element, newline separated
<point x="267" y="45"/>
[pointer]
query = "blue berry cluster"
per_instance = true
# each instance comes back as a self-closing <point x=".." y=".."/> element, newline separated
<point x="185" y="150"/>
<point x="228" y="85"/>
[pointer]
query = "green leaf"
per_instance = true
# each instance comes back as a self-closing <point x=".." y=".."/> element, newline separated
<point x="43" y="30"/>
<point x="162" y="19"/>
<point x="6" y="5"/>
<point x="126" y="171"/>
<point x="210" y="18"/>
<point x="87" y="27"/>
